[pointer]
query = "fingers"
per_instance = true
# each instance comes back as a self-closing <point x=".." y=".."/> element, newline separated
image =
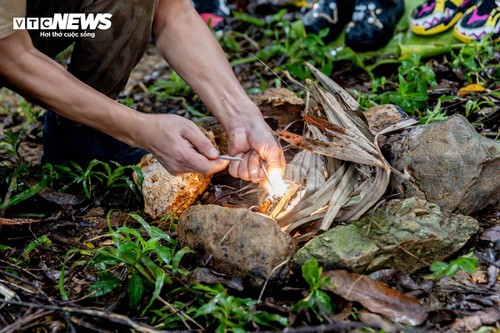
<point x="201" y="143"/>
<point x="187" y="159"/>
<point x="271" y="153"/>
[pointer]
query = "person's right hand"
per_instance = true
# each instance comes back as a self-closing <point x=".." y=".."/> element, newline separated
<point x="179" y="145"/>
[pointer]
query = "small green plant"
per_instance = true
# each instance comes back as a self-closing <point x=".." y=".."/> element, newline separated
<point x="317" y="301"/>
<point x="475" y="106"/>
<point x="436" y="114"/>
<point x="228" y="313"/>
<point x="414" y="80"/>
<point x="140" y="263"/>
<point x="30" y="113"/>
<point x="473" y="61"/>
<point x="467" y="263"/>
<point x="286" y="41"/>
<point x="173" y="88"/>
<point x="109" y="175"/>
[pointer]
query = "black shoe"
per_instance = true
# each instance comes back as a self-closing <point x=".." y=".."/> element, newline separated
<point x="373" y="23"/>
<point x="212" y="11"/>
<point x="333" y="14"/>
<point x="65" y="141"/>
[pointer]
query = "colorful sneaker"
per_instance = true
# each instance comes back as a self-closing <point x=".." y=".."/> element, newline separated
<point x="373" y="23"/>
<point x="435" y="16"/>
<point x="332" y="14"/>
<point x="212" y="11"/>
<point x="479" y="21"/>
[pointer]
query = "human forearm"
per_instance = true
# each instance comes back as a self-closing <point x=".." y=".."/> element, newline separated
<point x="190" y="48"/>
<point x="35" y="75"/>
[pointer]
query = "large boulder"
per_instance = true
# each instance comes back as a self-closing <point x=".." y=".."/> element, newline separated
<point x="405" y="234"/>
<point x="237" y="242"/>
<point x="450" y="165"/>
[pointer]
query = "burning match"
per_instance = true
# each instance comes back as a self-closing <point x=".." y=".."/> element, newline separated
<point x="274" y="183"/>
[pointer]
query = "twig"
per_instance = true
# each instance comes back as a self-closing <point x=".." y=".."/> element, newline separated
<point x="18" y="324"/>
<point x="270" y="275"/>
<point x="110" y="316"/>
<point x="338" y="326"/>
<point x="175" y="310"/>
<point x="21" y="269"/>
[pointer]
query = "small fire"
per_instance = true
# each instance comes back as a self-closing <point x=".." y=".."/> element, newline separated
<point x="275" y="185"/>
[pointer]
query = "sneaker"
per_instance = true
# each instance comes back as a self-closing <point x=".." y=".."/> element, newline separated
<point x="373" y="23"/>
<point x="213" y="12"/>
<point x="332" y="14"/>
<point x="479" y="21"/>
<point x="65" y="141"/>
<point x="435" y="16"/>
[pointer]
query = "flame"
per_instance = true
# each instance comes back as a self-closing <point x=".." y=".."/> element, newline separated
<point x="275" y="185"/>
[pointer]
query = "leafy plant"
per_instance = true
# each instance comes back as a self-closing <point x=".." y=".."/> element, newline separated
<point x="108" y="175"/>
<point x="317" y="301"/>
<point x="467" y="263"/>
<point x="174" y="87"/>
<point x="146" y="262"/>
<point x="436" y="114"/>
<point x="286" y="42"/>
<point x="232" y="314"/>
<point x="472" y="60"/>
<point x="30" y="113"/>
<point x="414" y="81"/>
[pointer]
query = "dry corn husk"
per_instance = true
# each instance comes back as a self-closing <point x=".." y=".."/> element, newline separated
<point x="339" y="166"/>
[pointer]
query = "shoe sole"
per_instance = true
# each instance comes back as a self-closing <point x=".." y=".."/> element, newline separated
<point x="421" y="31"/>
<point x="467" y="39"/>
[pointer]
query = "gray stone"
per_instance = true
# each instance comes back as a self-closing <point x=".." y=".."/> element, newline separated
<point x="450" y="165"/>
<point x="404" y="234"/>
<point x="237" y="242"/>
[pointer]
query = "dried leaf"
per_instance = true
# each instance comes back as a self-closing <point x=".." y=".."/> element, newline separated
<point x="60" y="198"/>
<point x="475" y="321"/>
<point x="376" y="297"/>
<point x="18" y="221"/>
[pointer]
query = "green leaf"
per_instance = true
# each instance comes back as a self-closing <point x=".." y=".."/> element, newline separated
<point x="105" y="283"/>
<point x="468" y="264"/>
<point x="40" y="241"/>
<point x="452" y="269"/>
<point x="249" y="19"/>
<point x="160" y="280"/>
<point x="4" y="247"/>
<point x="311" y="271"/>
<point x="135" y="290"/>
<point x="164" y="254"/>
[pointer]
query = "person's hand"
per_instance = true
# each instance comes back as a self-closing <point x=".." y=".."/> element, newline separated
<point x="180" y="146"/>
<point x="253" y="140"/>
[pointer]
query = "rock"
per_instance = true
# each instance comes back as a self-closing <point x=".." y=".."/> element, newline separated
<point x="165" y="194"/>
<point x="450" y="165"/>
<point x="383" y="116"/>
<point x="237" y="242"/>
<point x="404" y="234"/>
<point x="279" y="104"/>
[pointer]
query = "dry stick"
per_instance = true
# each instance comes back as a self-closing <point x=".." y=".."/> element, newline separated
<point x="175" y="310"/>
<point x="352" y="286"/>
<point x="113" y="317"/>
<point x="18" y="324"/>
<point x="267" y="279"/>
<point x="19" y="268"/>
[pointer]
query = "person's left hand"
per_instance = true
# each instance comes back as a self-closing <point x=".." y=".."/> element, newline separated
<point x="253" y="140"/>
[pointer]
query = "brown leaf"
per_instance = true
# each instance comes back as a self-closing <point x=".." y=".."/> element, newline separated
<point x="18" y="221"/>
<point x="376" y="297"/>
<point x="60" y="198"/>
<point x="475" y="321"/>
